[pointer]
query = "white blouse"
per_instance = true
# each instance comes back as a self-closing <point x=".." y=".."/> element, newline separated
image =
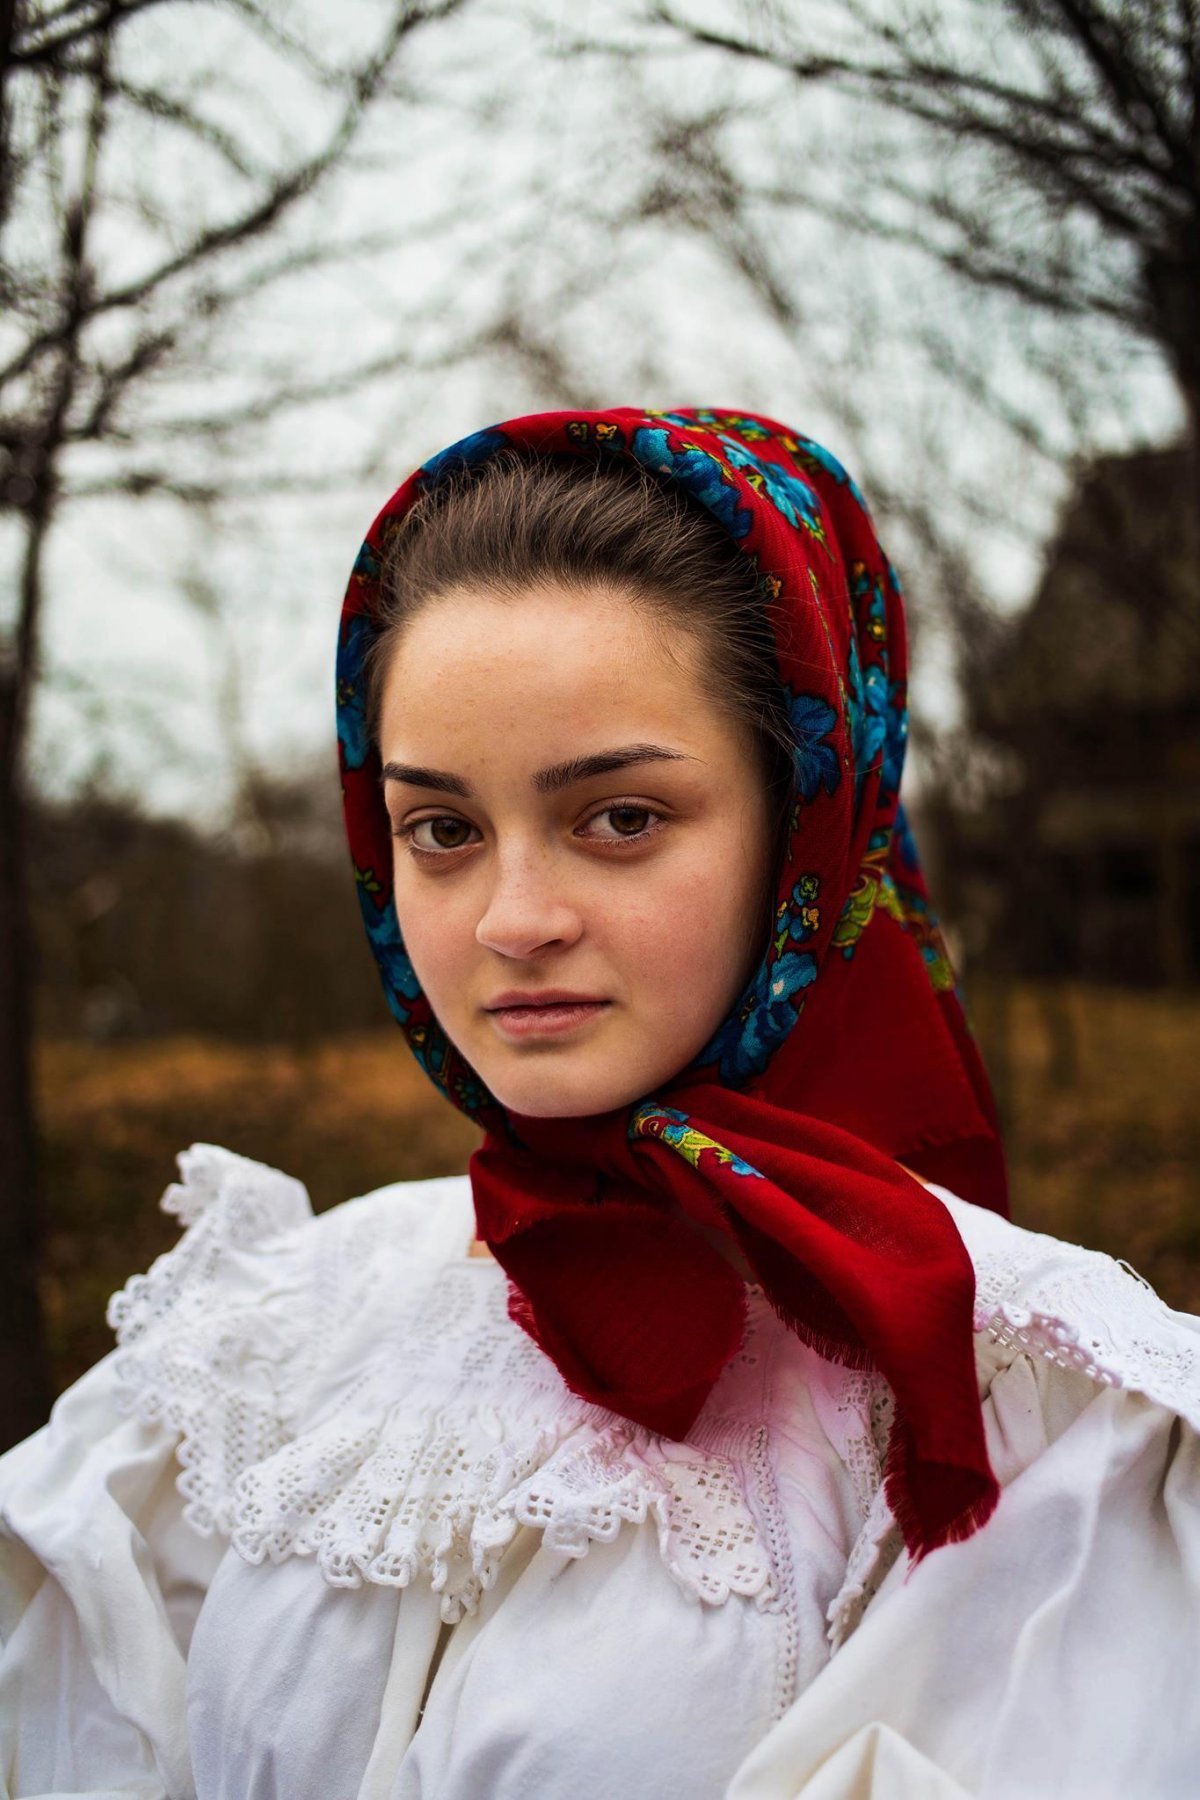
<point x="326" y="1524"/>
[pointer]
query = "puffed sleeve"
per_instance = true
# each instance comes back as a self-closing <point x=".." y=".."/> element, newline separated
<point x="1057" y="1651"/>
<point x="111" y="1514"/>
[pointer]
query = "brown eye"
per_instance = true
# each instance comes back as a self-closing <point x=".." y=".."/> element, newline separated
<point x="631" y="824"/>
<point x="443" y="829"/>
<point x="622" y="814"/>
<point x="440" y="825"/>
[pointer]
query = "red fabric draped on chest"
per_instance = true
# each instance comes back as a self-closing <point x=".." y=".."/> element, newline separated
<point x="848" y="1053"/>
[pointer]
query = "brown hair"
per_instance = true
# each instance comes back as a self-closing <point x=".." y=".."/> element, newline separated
<point x="521" y="518"/>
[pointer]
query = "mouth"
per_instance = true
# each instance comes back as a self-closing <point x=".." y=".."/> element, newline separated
<point x="546" y="1018"/>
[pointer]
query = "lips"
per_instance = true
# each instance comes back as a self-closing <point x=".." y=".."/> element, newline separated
<point x="546" y="1016"/>
<point x="545" y="997"/>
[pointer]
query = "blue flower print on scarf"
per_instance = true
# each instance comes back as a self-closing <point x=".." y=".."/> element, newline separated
<point x="465" y="454"/>
<point x="906" y="846"/>
<point x="787" y="493"/>
<point x="676" y="1129"/>
<point x="745" y="1042"/>
<point x="862" y="584"/>
<point x="400" y="977"/>
<point x="893" y="722"/>
<point x="351" y="701"/>
<point x="367" y="566"/>
<point x="719" y="421"/>
<point x="877" y="615"/>
<point x="812" y="452"/>
<point x="814" y="757"/>
<point x="699" y="472"/>
<point x="868" y="728"/>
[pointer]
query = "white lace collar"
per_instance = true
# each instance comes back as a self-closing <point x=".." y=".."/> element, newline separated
<point x="349" y="1387"/>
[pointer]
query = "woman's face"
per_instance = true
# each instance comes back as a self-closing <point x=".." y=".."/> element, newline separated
<point x="522" y="871"/>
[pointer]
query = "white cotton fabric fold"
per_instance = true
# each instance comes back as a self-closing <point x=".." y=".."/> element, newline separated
<point x="326" y="1523"/>
<point x="1056" y="1653"/>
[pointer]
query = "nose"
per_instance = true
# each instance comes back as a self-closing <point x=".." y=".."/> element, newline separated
<point x="527" y="908"/>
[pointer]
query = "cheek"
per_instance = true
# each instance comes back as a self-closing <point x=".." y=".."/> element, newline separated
<point x="686" y="936"/>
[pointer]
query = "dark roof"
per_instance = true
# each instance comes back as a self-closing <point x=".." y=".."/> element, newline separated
<point x="1115" y="622"/>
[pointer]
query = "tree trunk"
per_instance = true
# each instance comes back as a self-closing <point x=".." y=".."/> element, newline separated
<point x="26" y="1391"/>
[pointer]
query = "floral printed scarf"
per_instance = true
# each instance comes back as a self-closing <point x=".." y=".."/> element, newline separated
<point x="848" y="1053"/>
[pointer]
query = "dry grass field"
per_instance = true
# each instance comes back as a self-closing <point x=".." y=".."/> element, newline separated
<point x="1101" y="1092"/>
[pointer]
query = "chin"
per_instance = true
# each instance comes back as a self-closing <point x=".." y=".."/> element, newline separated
<point x="540" y="1096"/>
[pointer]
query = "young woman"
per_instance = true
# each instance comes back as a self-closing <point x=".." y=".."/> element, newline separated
<point x="717" y="1435"/>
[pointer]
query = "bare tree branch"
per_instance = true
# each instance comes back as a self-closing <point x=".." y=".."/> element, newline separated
<point x="268" y="210"/>
<point x="67" y="27"/>
<point x="1117" y="142"/>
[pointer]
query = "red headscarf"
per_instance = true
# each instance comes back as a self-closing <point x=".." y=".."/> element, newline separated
<point x="848" y="1053"/>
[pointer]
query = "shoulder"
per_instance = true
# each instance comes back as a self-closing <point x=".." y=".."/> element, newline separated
<point x="1075" y="1354"/>
<point x="114" y="1516"/>
<point x="1078" y="1309"/>
<point x="249" y="1229"/>
<point x="221" y="1337"/>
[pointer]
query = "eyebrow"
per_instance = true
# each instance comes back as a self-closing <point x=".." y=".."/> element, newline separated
<point x="550" y="780"/>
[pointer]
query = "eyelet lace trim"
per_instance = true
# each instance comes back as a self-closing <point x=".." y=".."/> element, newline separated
<point x="877" y="1547"/>
<point x="865" y="1408"/>
<point x="219" y="1375"/>
<point x="868" y="1400"/>
<point x="1084" y="1310"/>
<point x="427" y="1495"/>
<point x="233" y="1349"/>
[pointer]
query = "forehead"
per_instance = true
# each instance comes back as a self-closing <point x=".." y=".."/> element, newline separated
<point x="548" y="661"/>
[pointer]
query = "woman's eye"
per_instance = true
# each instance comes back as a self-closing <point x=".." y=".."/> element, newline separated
<point x="443" y="834"/>
<point x="629" y="821"/>
<point x="434" y="826"/>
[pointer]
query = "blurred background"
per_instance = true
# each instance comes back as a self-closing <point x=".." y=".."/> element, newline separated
<point x="259" y="260"/>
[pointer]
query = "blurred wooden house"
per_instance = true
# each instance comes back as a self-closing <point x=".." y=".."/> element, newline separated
<point x="1093" y="696"/>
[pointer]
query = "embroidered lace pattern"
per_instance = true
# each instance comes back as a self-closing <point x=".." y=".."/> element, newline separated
<point x="868" y="1408"/>
<point x="347" y="1393"/>
<point x="223" y="1379"/>
<point x="1084" y="1310"/>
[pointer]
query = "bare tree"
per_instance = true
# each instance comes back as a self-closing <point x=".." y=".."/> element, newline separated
<point x="1052" y="148"/>
<point x="141" y="217"/>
